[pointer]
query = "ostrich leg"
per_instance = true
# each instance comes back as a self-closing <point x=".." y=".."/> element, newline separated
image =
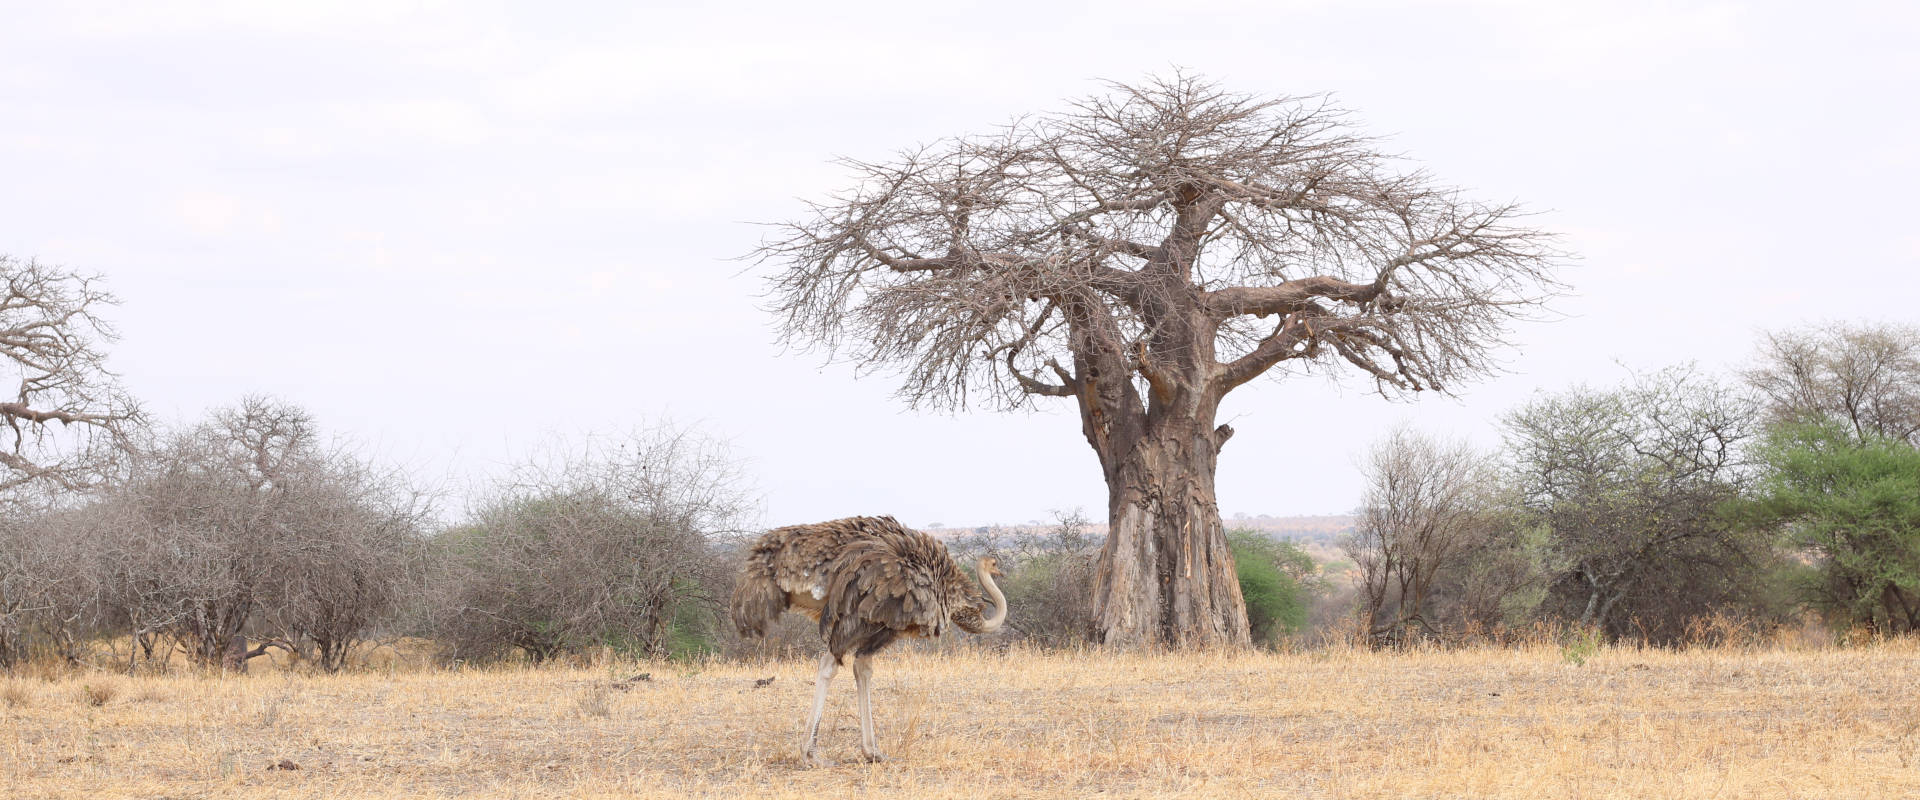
<point x="827" y="668"/>
<point x="863" y="679"/>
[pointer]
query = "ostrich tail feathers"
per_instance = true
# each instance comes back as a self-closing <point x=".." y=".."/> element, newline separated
<point x="757" y="598"/>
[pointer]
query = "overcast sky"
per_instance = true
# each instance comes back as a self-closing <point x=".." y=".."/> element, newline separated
<point x="456" y="230"/>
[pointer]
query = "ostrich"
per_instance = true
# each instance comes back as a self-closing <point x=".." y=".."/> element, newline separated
<point x="868" y="580"/>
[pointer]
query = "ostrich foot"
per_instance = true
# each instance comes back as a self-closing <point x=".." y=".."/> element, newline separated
<point x="873" y="756"/>
<point x="816" y="761"/>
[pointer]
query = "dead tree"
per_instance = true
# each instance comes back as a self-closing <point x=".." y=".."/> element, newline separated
<point x="1143" y="254"/>
<point x="62" y="431"/>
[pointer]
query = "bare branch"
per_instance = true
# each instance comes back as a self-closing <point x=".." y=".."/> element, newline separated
<point x="52" y="337"/>
<point x="1865" y="377"/>
<point x="1288" y="297"/>
<point x="1292" y="338"/>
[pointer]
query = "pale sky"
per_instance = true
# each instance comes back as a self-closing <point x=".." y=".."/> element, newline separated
<point x="454" y="231"/>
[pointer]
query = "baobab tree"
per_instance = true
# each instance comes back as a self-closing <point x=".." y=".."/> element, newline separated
<point x="1144" y="253"/>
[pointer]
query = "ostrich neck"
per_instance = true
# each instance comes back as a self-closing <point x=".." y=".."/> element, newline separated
<point x="999" y="615"/>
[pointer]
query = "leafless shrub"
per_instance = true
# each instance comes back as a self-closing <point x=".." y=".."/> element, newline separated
<point x="1428" y="503"/>
<point x="49" y="585"/>
<point x="612" y="545"/>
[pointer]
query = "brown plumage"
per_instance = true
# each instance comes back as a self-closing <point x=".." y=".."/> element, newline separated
<point x="868" y="581"/>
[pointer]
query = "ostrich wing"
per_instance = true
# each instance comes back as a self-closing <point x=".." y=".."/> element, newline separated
<point x="885" y="587"/>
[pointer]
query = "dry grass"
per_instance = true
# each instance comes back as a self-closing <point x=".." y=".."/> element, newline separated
<point x="15" y="694"/>
<point x="1837" y="723"/>
<point x="96" y="694"/>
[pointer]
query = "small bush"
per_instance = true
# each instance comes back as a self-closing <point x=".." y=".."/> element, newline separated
<point x="1049" y="598"/>
<point x="1278" y="581"/>
<point x="97" y="695"/>
<point x="595" y="701"/>
<point x="608" y="546"/>
<point x="1580" y="645"/>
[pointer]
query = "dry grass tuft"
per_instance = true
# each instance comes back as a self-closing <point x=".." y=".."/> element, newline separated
<point x="594" y="701"/>
<point x="15" y="694"/>
<point x="1736" y="722"/>
<point x="97" y="694"/>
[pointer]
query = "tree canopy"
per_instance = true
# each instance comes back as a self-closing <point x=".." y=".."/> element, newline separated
<point x="1013" y="264"/>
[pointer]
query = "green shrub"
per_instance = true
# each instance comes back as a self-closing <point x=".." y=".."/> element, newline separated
<point x="1277" y="579"/>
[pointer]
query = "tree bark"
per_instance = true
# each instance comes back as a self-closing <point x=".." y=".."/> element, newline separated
<point x="234" y="657"/>
<point x="1166" y="575"/>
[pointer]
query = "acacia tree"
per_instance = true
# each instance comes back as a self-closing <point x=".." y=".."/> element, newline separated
<point x="1143" y="254"/>
<point x="1630" y="484"/>
<point x="1848" y="500"/>
<point x="1865" y="376"/>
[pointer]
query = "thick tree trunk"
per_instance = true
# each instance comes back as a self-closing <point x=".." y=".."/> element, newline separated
<point x="1165" y="575"/>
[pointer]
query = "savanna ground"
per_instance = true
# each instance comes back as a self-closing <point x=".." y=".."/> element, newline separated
<point x="1478" y="723"/>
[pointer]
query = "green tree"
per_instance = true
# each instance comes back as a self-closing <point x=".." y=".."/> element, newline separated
<point x="1853" y="503"/>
